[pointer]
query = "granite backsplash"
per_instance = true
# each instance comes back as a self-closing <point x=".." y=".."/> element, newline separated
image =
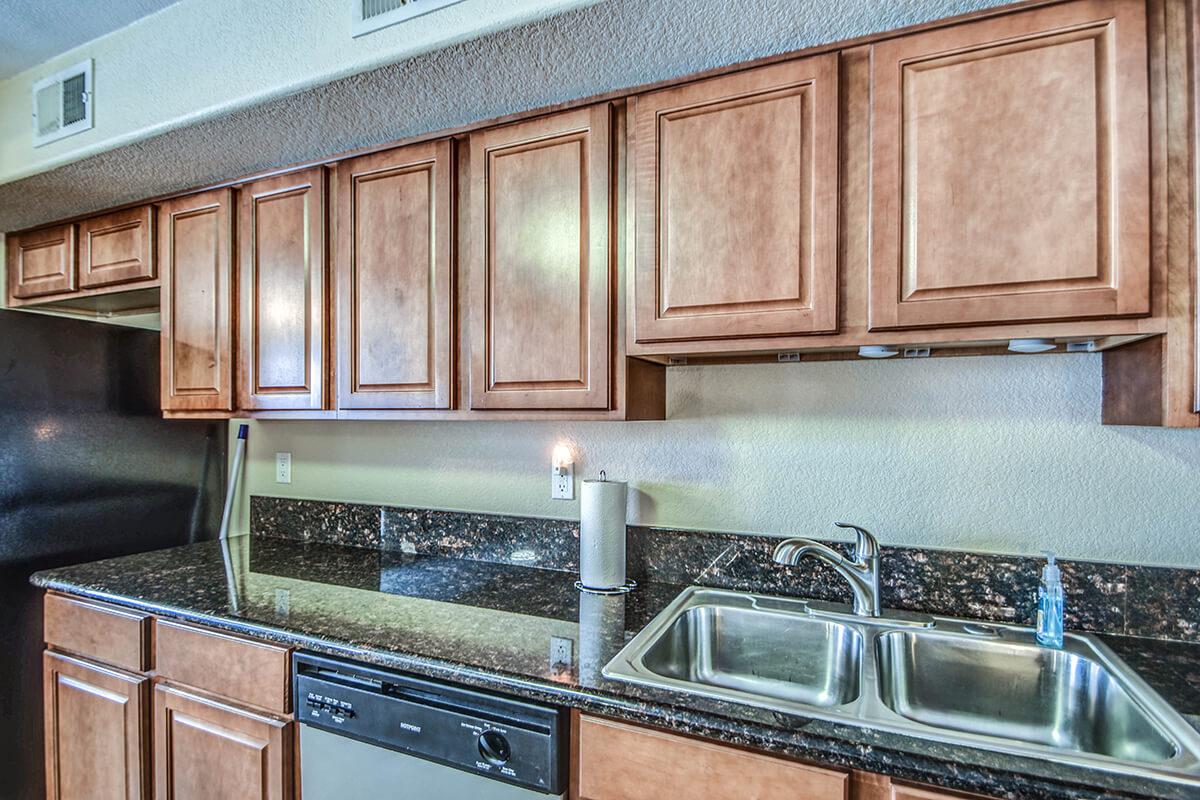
<point x="1156" y="602"/>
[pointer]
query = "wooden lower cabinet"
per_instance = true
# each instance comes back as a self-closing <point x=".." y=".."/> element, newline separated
<point x="617" y="761"/>
<point x="95" y="731"/>
<point x="116" y="734"/>
<point x="205" y="749"/>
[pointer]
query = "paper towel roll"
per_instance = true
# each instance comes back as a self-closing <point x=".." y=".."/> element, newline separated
<point x="602" y="534"/>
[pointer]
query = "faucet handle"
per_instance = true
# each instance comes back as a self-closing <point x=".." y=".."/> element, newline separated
<point x="866" y="546"/>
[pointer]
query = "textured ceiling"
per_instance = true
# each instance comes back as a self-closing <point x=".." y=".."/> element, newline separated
<point x="611" y="45"/>
<point x="32" y="31"/>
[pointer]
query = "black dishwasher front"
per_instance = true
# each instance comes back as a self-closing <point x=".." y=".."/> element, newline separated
<point x="374" y="733"/>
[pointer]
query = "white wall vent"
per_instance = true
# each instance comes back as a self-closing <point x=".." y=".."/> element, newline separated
<point x="371" y="15"/>
<point x="62" y="104"/>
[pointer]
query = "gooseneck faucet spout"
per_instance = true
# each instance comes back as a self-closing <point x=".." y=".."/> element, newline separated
<point x="862" y="573"/>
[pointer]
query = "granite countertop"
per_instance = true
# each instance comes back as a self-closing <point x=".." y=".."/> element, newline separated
<point x="489" y="625"/>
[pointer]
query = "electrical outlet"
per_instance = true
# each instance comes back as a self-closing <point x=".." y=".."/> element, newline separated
<point x="283" y="467"/>
<point x="562" y="652"/>
<point x="283" y="602"/>
<point x="562" y="482"/>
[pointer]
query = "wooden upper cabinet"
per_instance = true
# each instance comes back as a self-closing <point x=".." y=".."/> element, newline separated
<point x="736" y="204"/>
<point x="282" y="291"/>
<point x="95" y="731"/>
<point x="205" y="749"/>
<point x="1011" y="169"/>
<point x="395" y="278"/>
<point x="196" y="259"/>
<point x="117" y="248"/>
<point x="541" y="265"/>
<point x="41" y="262"/>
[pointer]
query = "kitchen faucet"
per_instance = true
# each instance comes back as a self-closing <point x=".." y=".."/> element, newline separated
<point x="862" y="573"/>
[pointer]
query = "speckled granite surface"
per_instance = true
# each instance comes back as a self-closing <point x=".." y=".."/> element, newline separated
<point x="1156" y="602"/>
<point x="523" y="541"/>
<point x="489" y="625"/>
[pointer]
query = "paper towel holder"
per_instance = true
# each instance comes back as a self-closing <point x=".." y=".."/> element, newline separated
<point x="624" y="588"/>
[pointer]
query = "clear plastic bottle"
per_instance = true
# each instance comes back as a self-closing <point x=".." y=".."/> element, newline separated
<point x="1050" y="605"/>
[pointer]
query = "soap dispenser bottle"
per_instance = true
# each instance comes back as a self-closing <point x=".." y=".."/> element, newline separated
<point x="1050" y="605"/>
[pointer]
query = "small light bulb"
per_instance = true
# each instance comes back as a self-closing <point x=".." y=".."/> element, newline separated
<point x="1031" y="345"/>
<point x="562" y="456"/>
<point x="877" y="351"/>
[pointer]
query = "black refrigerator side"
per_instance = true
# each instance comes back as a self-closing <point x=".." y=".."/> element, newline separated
<point x="88" y="470"/>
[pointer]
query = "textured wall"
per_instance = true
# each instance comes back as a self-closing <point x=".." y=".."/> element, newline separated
<point x="200" y="59"/>
<point x="1002" y="454"/>
<point x="611" y="45"/>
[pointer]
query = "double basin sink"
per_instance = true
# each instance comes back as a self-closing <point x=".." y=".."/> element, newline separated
<point x="983" y="685"/>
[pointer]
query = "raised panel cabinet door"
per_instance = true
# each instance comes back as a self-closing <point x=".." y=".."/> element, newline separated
<point x="395" y="278"/>
<point x="541" y="268"/>
<point x="195" y="241"/>
<point x="96" y="733"/>
<point x="41" y="262"/>
<point x="282" y="292"/>
<point x="208" y="750"/>
<point x="737" y="213"/>
<point x="117" y="248"/>
<point x="1010" y="169"/>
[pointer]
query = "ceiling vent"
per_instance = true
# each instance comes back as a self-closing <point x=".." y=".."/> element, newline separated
<point x="371" y="15"/>
<point x="62" y="104"/>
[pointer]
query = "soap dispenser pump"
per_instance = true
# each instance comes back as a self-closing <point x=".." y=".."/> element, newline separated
<point x="1050" y="605"/>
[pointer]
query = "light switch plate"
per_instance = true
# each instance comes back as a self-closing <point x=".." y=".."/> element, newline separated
<point x="283" y="467"/>
<point x="562" y="482"/>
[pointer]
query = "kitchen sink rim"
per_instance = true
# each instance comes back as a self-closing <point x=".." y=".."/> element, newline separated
<point x="869" y="711"/>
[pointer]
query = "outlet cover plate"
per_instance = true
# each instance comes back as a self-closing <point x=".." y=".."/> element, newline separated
<point x="562" y="482"/>
<point x="283" y="467"/>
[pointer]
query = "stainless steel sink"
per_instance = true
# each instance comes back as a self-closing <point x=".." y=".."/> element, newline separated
<point x="1017" y="691"/>
<point x="774" y="654"/>
<point x="987" y="686"/>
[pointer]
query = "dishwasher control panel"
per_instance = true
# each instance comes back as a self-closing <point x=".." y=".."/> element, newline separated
<point x="504" y="738"/>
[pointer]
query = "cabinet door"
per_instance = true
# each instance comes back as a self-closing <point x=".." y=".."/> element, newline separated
<point x="736" y="182"/>
<point x="194" y="253"/>
<point x="282" y="291"/>
<point x="207" y="750"/>
<point x="41" y="262"/>
<point x="541" y="278"/>
<point x="1011" y="169"/>
<point x="96" y="746"/>
<point x="660" y="765"/>
<point x="395" y="278"/>
<point x="117" y="248"/>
